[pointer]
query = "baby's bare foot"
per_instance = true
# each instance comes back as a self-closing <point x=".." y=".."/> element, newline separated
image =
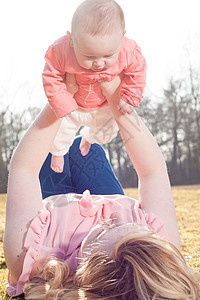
<point x="57" y="163"/>
<point x="84" y="146"/>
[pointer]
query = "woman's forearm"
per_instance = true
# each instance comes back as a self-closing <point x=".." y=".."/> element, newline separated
<point x="139" y="142"/>
<point x="35" y="144"/>
<point x="24" y="198"/>
<point x="154" y="186"/>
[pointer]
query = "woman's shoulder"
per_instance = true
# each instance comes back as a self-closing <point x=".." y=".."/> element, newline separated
<point x="131" y="212"/>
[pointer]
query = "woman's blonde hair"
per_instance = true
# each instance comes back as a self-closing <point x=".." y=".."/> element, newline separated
<point x="98" y="17"/>
<point x="143" y="266"/>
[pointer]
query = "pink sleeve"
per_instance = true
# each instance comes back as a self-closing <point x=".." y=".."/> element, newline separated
<point x="31" y="245"/>
<point x="152" y="221"/>
<point x="135" y="76"/>
<point x="157" y="225"/>
<point x="54" y="84"/>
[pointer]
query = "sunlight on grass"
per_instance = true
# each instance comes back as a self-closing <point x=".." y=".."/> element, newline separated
<point x="187" y="203"/>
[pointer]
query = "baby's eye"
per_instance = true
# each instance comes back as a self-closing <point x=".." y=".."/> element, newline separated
<point x="107" y="56"/>
<point x="91" y="57"/>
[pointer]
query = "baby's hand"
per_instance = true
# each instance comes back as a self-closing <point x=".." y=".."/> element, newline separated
<point x="124" y="107"/>
<point x="71" y="84"/>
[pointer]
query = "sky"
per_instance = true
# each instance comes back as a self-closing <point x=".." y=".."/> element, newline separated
<point x="168" y="32"/>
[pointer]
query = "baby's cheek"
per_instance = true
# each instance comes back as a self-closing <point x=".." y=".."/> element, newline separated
<point x="87" y="64"/>
<point x="112" y="62"/>
<point x="84" y="64"/>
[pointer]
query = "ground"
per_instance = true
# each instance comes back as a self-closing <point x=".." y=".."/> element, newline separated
<point x="187" y="203"/>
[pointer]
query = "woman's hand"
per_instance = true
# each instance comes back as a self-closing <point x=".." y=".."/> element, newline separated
<point x="110" y="87"/>
<point x="71" y="84"/>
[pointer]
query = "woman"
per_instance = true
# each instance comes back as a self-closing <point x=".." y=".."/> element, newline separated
<point x="94" y="246"/>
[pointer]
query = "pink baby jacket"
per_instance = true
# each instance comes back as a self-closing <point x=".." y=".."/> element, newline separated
<point x="65" y="220"/>
<point x="60" y="59"/>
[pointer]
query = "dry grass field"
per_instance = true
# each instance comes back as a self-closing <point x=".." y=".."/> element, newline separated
<point x="187" y="202"/>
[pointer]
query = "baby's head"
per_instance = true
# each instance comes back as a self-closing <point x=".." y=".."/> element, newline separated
<point x="98" y="17"/>
<point x="96" y="33"/>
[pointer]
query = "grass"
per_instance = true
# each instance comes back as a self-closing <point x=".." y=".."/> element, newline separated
<point x="187" y="203"/>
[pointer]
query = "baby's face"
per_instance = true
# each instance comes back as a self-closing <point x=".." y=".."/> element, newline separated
<point x="97" y="53"/>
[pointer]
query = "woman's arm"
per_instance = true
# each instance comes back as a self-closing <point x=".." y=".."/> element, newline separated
<point x="154" y="187"/>
<point x="24" y="198"/>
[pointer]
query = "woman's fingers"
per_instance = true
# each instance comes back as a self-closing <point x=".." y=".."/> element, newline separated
<point x="71" y="84"/>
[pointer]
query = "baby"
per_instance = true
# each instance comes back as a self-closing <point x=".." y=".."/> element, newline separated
<point x="95" y="50"/>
